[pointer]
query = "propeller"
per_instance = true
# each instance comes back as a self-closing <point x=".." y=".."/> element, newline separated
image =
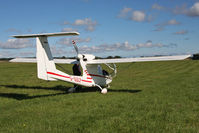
<point x="78" y="55"/>
<point x="77" y="51"/>
<point x="75" y="46"/>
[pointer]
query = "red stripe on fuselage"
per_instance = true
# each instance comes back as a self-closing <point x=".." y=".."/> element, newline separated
<point x="58" y="74"/>
<point x="67" y="77"/>
<point x="86" y="81"/>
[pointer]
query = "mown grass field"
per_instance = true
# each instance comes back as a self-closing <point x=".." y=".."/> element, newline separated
<point x="144" y="97"/>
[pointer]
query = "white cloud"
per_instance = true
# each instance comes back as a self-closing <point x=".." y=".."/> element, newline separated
<point x="183" y="9"/>
<point x="193" y="11"/>
<point x="150" y="18"/>
<point x="6" y="54"/>
<point x="180" y="9"/>
<point x="16" y="44"/>
<point x="149" y="44"/>
<point x="138" y="16"/>
<point x="80" y="22"/>
<point x="157" y="7"/>
<point x="135" y="15"/>
<point x="182" y="32"/>
<point x="87" y="23"/>
<point x="27" y="54"/>
<point x="66" y="23"/>
<point x="124" y="12"/>
<point x="161" y="26"/>
<point x="91" y="49"/>
<point x="68" y="30"/>
<point x="57" y="51"/>
<point x="125" y="46"/>
<point x="68" y="41"/>
<point x="172" y="22"/>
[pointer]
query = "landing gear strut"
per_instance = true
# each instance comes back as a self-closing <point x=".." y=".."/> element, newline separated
<point x="72" y="90"/>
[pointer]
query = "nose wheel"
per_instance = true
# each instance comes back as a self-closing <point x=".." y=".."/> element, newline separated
<point x="103" y="90"/>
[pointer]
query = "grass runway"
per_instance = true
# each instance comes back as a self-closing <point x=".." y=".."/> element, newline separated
<point x="144" y="97"/>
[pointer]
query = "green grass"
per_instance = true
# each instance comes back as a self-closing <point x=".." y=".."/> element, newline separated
<point x="144" y="97"/>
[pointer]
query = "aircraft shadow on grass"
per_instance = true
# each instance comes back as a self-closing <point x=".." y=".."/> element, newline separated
<point x="62" y="88"/>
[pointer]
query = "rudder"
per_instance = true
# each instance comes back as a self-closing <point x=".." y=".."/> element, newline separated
<point x="44" y="57"/>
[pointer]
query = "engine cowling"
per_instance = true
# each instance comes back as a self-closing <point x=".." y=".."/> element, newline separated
<point x="88" y="57"/>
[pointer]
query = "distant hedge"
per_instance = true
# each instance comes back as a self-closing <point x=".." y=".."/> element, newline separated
<point x="195" y="56"/>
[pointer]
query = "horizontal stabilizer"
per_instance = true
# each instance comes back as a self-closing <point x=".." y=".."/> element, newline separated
<point x="47" y="35"/>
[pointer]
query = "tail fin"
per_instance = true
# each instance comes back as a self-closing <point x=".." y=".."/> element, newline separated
<point x="45" y="61"/>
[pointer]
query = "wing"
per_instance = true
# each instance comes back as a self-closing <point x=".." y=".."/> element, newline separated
<point x="34" y="60"/>
<point x="144" y="59"/>
<point x="101" y="61"/>
<point x="26" y="60"/>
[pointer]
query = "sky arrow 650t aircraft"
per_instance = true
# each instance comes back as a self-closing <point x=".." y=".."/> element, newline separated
<point x="92" y="73"/>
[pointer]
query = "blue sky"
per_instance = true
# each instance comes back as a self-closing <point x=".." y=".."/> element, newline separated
<point x="127" y="28"/>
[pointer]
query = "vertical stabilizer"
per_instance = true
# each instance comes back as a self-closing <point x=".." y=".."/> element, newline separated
<point x="45" y="61"/>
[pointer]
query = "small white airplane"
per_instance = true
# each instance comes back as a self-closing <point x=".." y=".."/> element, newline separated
<point x="92" y="75"/>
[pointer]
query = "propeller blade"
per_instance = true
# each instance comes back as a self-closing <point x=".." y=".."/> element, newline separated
<point x="75" y="46"/>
